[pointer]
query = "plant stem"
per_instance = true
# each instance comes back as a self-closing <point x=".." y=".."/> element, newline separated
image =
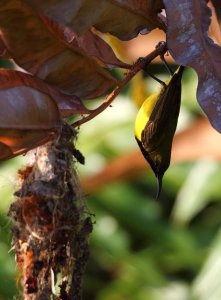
<point x="141" y="63"/>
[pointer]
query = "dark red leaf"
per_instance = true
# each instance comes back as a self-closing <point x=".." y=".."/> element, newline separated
<point x="37" y="49"/>
<point x="68" y="105"/>
<point x="122" y="18"/>
<point x="189" y="44"/>
<point x="2" y="48"/>
<point x="28" y="118"/>
<point x="95" y="46"/>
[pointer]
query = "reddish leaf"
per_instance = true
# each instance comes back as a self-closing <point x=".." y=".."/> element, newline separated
<point x="189" y="44"/>
<point x="123" y="18"/>
<point x="88" y="43"/>
<point x="68" y="105"/>
<point x="149" y="7"/>
<point x="2" y="47"/>
<point x="28" y="118"/>
<point x="98" y="48"/>
<point x="3" y="51"/>
<point x="35" y="48"/>
<point x="16" y="142"/>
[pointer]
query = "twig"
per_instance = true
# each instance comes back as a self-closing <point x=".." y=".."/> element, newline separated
<point x="139" y="65"/>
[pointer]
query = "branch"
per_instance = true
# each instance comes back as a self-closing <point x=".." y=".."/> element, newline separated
<point x="140" y="64"/>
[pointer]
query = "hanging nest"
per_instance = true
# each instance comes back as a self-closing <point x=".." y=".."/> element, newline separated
<point x="51" y="222"/>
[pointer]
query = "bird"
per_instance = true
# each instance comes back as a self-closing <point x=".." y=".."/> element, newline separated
<point x="156" y="123"/>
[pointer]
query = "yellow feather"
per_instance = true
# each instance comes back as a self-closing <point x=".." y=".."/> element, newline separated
<point x="144" y="114"/>
<point x="145" y="111"/>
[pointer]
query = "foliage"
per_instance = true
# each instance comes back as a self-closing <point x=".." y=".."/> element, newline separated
<point x="141" y="249"/>
<point x="61" y="58"/>
<point x="190" y="45"/>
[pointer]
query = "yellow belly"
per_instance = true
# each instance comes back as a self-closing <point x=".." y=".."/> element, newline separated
<point x="144" y="114"/>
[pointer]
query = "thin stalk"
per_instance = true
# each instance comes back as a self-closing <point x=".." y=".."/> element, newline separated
<point x="139" y="65"/>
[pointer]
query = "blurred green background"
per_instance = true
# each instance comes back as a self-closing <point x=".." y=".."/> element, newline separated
<point x="140" y="249"/>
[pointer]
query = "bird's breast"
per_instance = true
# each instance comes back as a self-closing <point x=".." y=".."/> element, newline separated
<point x="144" y="114"/>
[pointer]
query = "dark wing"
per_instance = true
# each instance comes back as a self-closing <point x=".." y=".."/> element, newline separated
<point x="163" y="120"/>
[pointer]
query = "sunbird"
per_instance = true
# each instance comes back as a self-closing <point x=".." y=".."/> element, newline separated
<point x="156" y="124"/>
